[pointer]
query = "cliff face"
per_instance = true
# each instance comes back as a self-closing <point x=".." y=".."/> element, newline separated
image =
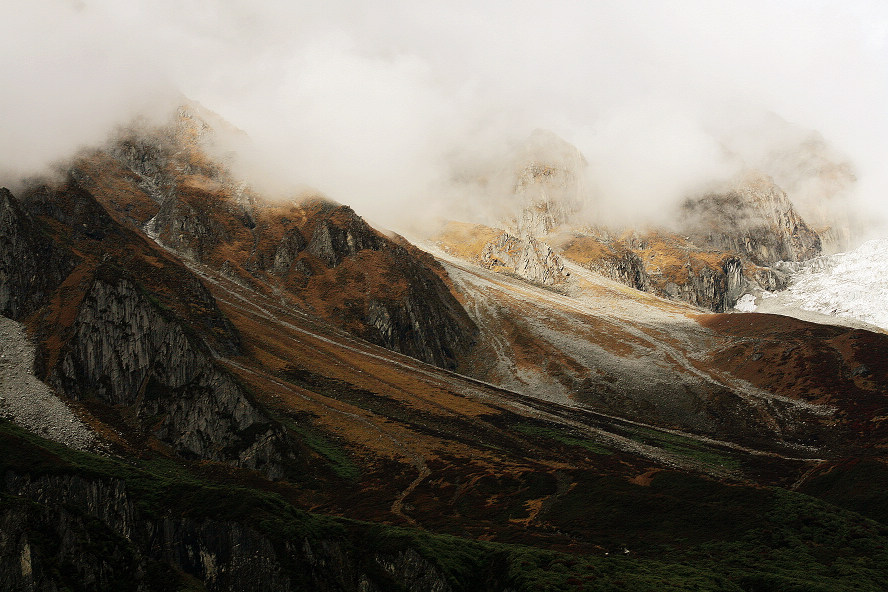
<point x="756" y="220"/>
<point x="141" y="350"/>
<point x="31" y="266"/>
<point x="527" y="257"/>
<point x="81" y="532"/>
<point x="548" y="185"/>
<point x="716" y="288"/>
<point x="330" y="260"/>
<point x="342" y="235"/>
<point x="727" y="244"/>
<point x="609" y="258"/>
<point x="166" y="182"/>
<point x="125" y="351"/>
<point x="665" y="265"/>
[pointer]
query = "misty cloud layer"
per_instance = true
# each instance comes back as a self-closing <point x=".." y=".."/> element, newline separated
<point x="382" y="108"/>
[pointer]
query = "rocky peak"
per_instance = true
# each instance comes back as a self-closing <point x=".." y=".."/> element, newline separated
<point x="171" y="183"/>
<point x="548" y="183"/>
<point x="815" y="175"/>
<point x="754" y="218"/>
<point x="819" y="181"/>
<point x="342" y="234"/>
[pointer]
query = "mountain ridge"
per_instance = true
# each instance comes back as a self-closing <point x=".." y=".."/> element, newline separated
<point x="261" y="431"/>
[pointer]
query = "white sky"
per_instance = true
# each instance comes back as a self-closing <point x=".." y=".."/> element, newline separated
<point x="367" y="101"/>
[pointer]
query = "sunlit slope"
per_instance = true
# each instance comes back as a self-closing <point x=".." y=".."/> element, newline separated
<point x="598" y="344"/>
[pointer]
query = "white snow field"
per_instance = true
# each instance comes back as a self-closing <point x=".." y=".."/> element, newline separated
<point x="847" y="288"/>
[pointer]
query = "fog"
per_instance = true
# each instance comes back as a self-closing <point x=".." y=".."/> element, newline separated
<point x="383" y="107"/>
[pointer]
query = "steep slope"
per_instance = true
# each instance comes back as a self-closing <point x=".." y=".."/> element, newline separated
<point x="390" y="439"/>
<point x="726" y="243"/>
<point x="754" y="219"/>
<point x="26" y="248"/>
<point x="665" y="264"/>
<point x="613" y="349"/>
<point x="500" y="251"/>
<point x="74" y="519"/>
<point x="548" y="184"/>
<point x="816" y="176"/>
<point x="843" y="368"/>
<point x="261" y="432"/>
<point x="165" y="181"/>
<point x="136" y="353"/>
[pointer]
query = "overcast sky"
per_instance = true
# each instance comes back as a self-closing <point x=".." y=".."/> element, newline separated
<point x="368" y="102"/>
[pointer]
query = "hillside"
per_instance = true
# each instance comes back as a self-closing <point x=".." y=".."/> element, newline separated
<point x="276" y="396"/>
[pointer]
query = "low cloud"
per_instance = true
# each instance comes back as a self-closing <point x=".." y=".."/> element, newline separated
<point x="382" y="108"/>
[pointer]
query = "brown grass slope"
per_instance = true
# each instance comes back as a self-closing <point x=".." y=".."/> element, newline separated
<point x="324" y="256"/>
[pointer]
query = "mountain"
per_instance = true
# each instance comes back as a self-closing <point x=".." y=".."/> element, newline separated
<point x="815" y="175"/>
<point x="231" y="392"/>
<point x="320" y="254"/>
<point x="726" y="242"/>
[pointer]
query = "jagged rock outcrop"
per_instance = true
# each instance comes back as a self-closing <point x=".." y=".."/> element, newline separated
<point x="31" y="266"/>
<point x="627" y="268"/>
<point x="125" y="350"/>
<point x="819" y="181"/>
<point x="149" y="158"/>
<point x="419" y="326"/>
<point x="755" y="220"/>
<point x="188" y="228"/>
<point x="332" y="241"/>
<point x="140" y="347"/>
<point x="715" y="288"/>
<point x="610" y="258"/>
<point x="816" y="176"/>
<point x="387" y="292"/>
<point x="305" y="247"/>
<point x="66" y="530"/>
<point x="288" y="249"/>
<point x="666" y="265"/>
<point x="768" y="278"/>
<point x="548" y="185"/>
<point x="527" y="257"/>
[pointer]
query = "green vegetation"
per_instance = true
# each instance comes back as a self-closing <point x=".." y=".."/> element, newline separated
<point x="559" y="436"/>
<point x="860" y="485"/>
<point x="683" y="446"/>
<point x="339" y="461"/>
<point x="682" y="532"/>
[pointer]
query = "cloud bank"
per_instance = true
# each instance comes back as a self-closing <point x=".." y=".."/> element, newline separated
<point x="370" y="104"/>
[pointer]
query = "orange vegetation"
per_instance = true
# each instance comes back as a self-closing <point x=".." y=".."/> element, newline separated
<point x="466" y="241"/>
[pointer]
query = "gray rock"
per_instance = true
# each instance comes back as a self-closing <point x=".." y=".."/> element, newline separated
<point x="332" y="242"/>
<point x="527" y="257"/>
<point x="31" y="266"/>
<point x="755" y="220"/>
<point x="128" y="351"/>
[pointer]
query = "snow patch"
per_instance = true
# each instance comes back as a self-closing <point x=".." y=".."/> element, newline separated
<point x="851" y="285"/>
<point x="746" y="303"/>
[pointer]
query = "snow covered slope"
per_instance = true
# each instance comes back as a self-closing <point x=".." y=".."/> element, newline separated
<point x="849" y="287"/>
